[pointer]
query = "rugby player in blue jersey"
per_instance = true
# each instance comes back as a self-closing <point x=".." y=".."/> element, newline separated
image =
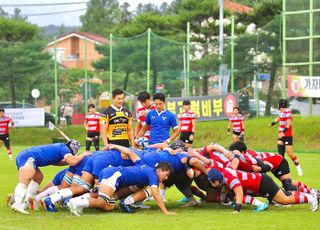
<point x="28" y="162"/>
<point x="113" y="178"/>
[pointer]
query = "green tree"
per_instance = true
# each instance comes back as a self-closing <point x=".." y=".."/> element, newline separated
<point x="100" y="16"/>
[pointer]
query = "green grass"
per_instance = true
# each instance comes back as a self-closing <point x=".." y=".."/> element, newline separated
<point x="257" y="134"/>
<point x="207" y="216"/>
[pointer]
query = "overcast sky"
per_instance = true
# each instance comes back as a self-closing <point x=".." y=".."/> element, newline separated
<point x="66" y="18"/>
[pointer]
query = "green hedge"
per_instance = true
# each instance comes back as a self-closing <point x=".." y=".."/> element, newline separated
<point x="257" y="134"/>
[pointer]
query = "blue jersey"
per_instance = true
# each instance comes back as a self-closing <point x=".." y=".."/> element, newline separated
<point x="44" y="155"/>
<point x="154" y="158"/>
<point x="139" y="174"/>
<point x="160" y="124"/>
<point x="58" y="178"/>
<point x="103" y="159"/>
<point x="77" y="169"/>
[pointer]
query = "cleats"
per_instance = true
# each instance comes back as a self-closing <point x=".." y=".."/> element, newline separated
<point x="261" y="207"/>
<point x="183" y="200"/>
<point x="10" y="200"/>
<point x="48" y="205"/>
<point x="18" y="208"/>
<point x="73" y="209"/>
<point x="34" y="205"/>
<point x="126" y="208"/>
<point x="314" y="204"/>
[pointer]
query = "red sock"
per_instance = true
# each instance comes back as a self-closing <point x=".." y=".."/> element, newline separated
<point x="300" y="198"/>
<point x="295" y="160"/>
<point x="304" y="190"/>
<point x="302" y="185"/>
<point x="247" y="199"/>
<point x="9" y="151"/>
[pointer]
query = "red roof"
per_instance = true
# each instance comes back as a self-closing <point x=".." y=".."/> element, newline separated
<point x="90" y="36"/>
<point x="236" y="7"/>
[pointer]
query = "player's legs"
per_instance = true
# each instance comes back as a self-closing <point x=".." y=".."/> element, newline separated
<point x="88" y="143"/>
<point x="96" y="141"/>
<point x="235" y="138"/>
<point x="296" y="198"/>
<point x="294" y="158"/>
<point x="281" y="148"/>
<point x="6" y="142"/>
<point x="304" y="188"/>
<point x="33" y="187"/>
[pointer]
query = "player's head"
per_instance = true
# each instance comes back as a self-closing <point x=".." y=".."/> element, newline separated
<point x="159" y="101"/>
<point x="118" y="97"/>
<point x="186" y="105"/>
<point x="238" y="145"/>
<point x="91" y="108"/>
<point x="235" y="110"/>
<point x="74" y="146"/>
<point x="215" y="178"/>
<point x="283" y="103"/>
<point x="144" y="98"/>
<point x="164" y="170"/>
<point x="178" y="144"/>
<point x="1" y="111"/>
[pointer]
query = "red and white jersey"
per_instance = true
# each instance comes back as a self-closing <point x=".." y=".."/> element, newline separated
<point x="246" y="162"/>
<point x="186" y="119"/>
<point x="4" y="125"/>
<point x="237" y="122"/>
<point x="283" y="118"/>
<point x="250" y="182"/>
<point x="273" y="159"/>
<point x="93" y="122"/>
<point x="141" y="117"/>
<point x="219" y="157"/>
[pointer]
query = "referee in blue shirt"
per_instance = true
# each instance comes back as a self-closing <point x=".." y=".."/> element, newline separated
<point x="160" y="121"/>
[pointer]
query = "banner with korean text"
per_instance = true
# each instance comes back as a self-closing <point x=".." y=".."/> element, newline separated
<point x="303" y="86"/>
<point x="206" y="107"/>
<point x="26" y="117"/>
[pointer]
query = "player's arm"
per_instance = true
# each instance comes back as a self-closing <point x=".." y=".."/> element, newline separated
<point x="275" y="121"/>
<point x="138" y="128"/>
<point x="174" y="126"/>
<point x="238" y="191"/>
<point x="194" y="153"/>
<point x="229" y="127"/>
<point x="104" y="125"/>
<point x="175" y="134"/>
<point x="134" y="157"/>
<point x="219" y="148"/>
<point x="130" y="132"/>
<point x="236" y="160"/>
<point x="141" y="132"/>
<point x="85" y="123"/>
<point x="157" y="198"/>
<point x="243" y="126"/>
<point x="74" y="160"/>
<point x="193" y="129"/>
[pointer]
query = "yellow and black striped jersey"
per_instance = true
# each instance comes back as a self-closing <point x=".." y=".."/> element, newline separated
<point x="117" y="121"/>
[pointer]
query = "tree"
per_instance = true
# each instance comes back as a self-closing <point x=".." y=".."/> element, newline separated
<point x="20" y="55"/>
<point x="100" y="16"/>
<point x="17" y="15"/>
<point x="126" y="14"/>
<point x="3" y="13"/>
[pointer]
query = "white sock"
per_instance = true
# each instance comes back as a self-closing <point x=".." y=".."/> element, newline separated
<point x="19" y="193"/>
<point x="310" y="197"/>
<point x="256" y="202"/>
<point x="129" y="200"/>
<point x="49" y="191"/>
<point x="61" y="195"/>
<point x="84" y="196"/>
<point x="31" y="190"/>
<point x="83" y="203"/>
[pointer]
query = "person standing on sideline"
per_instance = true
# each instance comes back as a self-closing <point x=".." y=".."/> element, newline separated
<point x="237" y="122"/>
<point x="145" y="99"/>
<point x="285" y="139"/>
<point x="67" y="113"/>
<point x="92" y="125"/>
<point x="187" y="124"/>
<point x="4" y="131"/>
<point x="116" y="122"/>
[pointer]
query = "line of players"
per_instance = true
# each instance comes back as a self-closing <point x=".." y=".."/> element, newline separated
<point x="134" y="175"/>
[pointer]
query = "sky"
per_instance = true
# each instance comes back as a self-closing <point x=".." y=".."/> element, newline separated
<point x="70" y="19"/>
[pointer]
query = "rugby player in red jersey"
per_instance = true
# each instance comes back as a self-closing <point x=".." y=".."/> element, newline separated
<point x="187" y="124"/>
<point x="92" y="125"/>
<point x="285" y="139"/>
<point x="4" y="131"/>
<point x="236" y="120"/>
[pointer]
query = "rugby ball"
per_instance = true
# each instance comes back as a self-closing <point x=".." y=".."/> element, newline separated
<point x="143" y="142"/>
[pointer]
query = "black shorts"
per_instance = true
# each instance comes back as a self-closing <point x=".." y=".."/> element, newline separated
<point x="287" y="140"/>
<point x="268" y="188"/>
<point x="93" y="134"/>
<point x="283" y="169"/>
<point x="236" y="133"/>
<point x="4" y="137"/>
<point x="124" y="143"/>
<point x="185" y="137"/>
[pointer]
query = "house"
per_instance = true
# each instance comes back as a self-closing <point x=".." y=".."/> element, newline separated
<point x="70" y="49"/>
<point x="236" y="7"/>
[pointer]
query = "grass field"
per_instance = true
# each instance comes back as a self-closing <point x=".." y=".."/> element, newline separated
<point x="206" y="216"/>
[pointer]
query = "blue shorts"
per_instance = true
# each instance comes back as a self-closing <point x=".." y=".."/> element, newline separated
<point x="58" y="178"/>
<point x="23" y="157"/>
<point x="109" y="172"/>
<point x="89" y="166"/>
